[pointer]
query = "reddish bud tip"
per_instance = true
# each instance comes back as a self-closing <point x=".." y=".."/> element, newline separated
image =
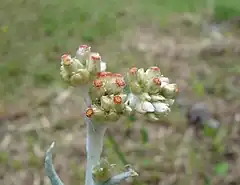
<point x="103" y="74"/>
<point x="96" y="57"/>
<point x="89" y="112"/>
<point x="133" y="70"/>
<point x="83" y="46"/>
<point x="177" y="90"/>
<point x="120" y="82"/>
<point x="66" y="58"/>
<point x="98" y="83"/>
<point x="155" y="68"/>
<point x="117" y="99"/>
<point x="157" y="81"/>
<point x="117" y="75"/>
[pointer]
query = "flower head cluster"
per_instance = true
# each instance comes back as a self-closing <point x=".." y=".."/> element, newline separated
<point x="152" y="94"/>
<point x="82" y="68"/>
<point x="108" y="98"/>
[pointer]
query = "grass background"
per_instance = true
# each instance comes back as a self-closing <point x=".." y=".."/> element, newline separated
<point x="33" y="36"/>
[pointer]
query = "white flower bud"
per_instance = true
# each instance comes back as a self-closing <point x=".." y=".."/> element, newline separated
<point x="161" y="108"/>
<point x="82" y="53"/>
<point x="132" y="100"/>
<point x="103" y="66"/>
<point x="147" y="106"/>
<point x="139" y="109"/>
<point x="164" y="79"/>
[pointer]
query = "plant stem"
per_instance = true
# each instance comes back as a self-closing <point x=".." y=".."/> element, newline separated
<point x="94" y="146"/>
<point x="94" y="141"/>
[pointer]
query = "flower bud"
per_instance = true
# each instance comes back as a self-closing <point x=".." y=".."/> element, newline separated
<point x="161" y="108"/>
<point x="156" y="98"/>
<point x="132" y="74"/>
<point x="79" y="78"/>
<point x="153" y="72"/>
<point x="70" y="64"/>
<point x="82" y="53"/>
<point x="135" y="88"/>
<point x="115" y="84"/>
<point x="103" y="66"/>
<point x="139" y="109"/>
<point x="93" y="63"/>
<point x="118" y="103"/>
<point x="84" y="73"/>
<point x="113" y="116"/>
<point x="153" y="85"/>
<point x="145" y="96"/>
<point x="99" y="114"/>
<point x="106" y="103"/>
<point x="147" y="106"/>
<point x="141" y="76"/>
<point x="152" y="117"/>
<point x="97" y="90"/>
<point x="169" y="90"/>
<point x="76" y="79"/>
<point x="144" y="107"/>
<point x="164" y="79"/>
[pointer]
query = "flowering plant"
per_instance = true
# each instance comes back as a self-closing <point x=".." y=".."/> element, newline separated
<point x="151" y="95"/>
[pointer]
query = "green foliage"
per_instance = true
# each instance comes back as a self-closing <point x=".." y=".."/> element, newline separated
<point x="221" y="168"/>
<point x="209" y="131"/>
<point x="4" y="157"/>
<point x="198" y="87"/>
<point x="144" y="134"/>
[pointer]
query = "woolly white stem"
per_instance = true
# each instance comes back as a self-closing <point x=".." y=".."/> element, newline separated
<point x="94" y="142"/>
<point x="94" y="147"/>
